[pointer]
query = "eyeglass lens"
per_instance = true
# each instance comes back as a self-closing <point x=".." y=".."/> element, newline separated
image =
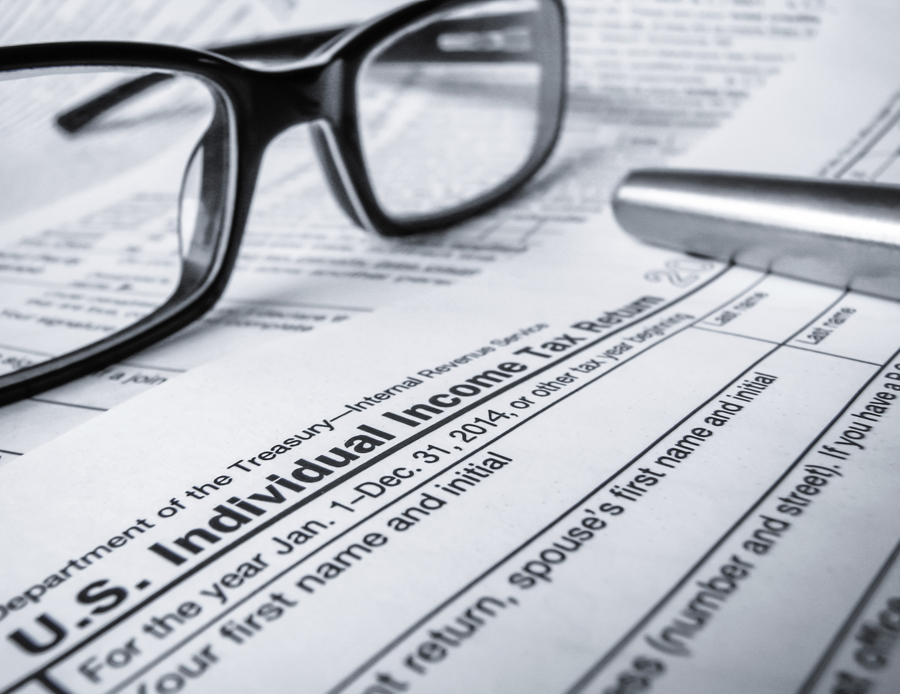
<point x="450" y="108"/>
<point x="94" y="226"/>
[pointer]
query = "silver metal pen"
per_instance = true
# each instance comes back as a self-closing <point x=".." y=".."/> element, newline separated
<point x="838" y="233"/>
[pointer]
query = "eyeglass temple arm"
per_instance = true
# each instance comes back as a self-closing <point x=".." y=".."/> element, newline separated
<point x="498" y="38"/>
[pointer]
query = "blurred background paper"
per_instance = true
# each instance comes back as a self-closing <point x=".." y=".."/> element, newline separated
<point x="647" y="79"/>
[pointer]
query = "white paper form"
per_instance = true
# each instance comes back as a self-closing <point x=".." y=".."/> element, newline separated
<point x="504" y="516"/>
<point x="648" y="79"/>
<point x="612" y="470"/>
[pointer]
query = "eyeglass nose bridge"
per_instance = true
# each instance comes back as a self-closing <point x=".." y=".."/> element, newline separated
<point x="273" y="102"/>
<point x="315" y="95"/>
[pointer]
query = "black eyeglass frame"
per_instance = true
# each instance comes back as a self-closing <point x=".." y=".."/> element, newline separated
<point x="255" y="105"/>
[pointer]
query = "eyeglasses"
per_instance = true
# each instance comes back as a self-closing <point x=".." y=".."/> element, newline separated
<point x="128" y="169"/>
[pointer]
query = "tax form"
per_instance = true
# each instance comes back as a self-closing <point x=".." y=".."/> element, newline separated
<point x="601" y="468"/>
<point x="647" y="80"/>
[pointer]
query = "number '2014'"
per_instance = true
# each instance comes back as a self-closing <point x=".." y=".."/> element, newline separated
<point x="469" y="432"/>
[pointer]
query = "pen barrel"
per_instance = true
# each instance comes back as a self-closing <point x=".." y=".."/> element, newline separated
<point x="838" y="233"/>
